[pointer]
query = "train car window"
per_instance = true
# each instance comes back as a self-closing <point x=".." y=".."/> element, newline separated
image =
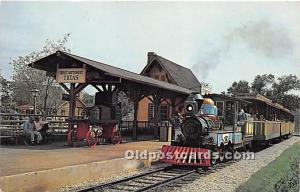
<point x="220" y="106"/>
<point x="208" y="109"/>
<point x="229" y="113"/>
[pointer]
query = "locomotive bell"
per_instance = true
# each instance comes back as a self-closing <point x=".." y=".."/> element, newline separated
<point x="197" y="96"/>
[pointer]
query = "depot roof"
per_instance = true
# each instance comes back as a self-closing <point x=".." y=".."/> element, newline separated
<point x="49" y="64"/>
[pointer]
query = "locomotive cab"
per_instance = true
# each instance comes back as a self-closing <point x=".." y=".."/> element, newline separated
<point x="208" y="107"/>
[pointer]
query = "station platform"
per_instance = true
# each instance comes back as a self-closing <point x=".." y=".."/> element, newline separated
<point x="47" y="167"/>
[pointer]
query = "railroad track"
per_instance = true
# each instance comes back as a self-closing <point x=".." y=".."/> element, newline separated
<point x="152" y="179"/>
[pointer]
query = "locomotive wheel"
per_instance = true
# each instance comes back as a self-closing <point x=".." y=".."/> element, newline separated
<point x="213" y="161"/>
<point x="222" y="151"/>
<point x="99" y="136"/>
<point x="230" y="149"/>
<point x="91" y="138"/>
<point x="116" y="137"/>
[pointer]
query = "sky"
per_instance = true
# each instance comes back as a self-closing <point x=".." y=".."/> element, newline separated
<point x="221" y="42"/>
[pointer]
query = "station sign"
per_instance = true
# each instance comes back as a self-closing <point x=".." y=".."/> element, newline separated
<point x="70" y="75"/>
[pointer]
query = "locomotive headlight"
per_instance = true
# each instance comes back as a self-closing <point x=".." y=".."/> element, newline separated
<point x="189" y="108"/>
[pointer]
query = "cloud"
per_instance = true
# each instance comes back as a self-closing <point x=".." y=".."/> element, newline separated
<point x="267" y="38"/>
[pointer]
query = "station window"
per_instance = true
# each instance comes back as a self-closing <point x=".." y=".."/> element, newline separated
<point x="164" y="109"/>
<point x="163" y="78"/>
<point x="164" y="112"/>
<point x="150" y="111"/>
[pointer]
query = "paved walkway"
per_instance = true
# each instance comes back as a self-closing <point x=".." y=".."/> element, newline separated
<point x="22" y="159"/>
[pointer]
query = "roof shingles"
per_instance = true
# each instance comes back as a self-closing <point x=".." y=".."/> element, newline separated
<point x="182" y="76"/>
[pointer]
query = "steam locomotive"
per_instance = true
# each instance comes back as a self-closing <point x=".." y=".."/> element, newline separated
<point x="206" y="136"/>
<point x="200" y="119"/>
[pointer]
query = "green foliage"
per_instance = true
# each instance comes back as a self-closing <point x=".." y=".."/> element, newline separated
<point x="262" y="84"/>
<point x="6" y="92"/>
<point x="279" y="176"/>
<point x="88" y="99"/>
<point x="239" y="87"/>
<point x="26" y="78"/>
<point x="279" y="90"/>
<point x="6" y="87"/>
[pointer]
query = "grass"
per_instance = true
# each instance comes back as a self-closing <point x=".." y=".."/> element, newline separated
<point x="281" y="175"/>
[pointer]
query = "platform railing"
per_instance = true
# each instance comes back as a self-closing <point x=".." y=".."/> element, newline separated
<point x="144" y="127"/>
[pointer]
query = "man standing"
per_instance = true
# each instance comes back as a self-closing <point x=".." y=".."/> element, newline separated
<point x="176" y="120"/>
<point x="30" y="129"/>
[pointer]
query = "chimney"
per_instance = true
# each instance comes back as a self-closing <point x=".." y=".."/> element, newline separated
<point x="151" y="54"/>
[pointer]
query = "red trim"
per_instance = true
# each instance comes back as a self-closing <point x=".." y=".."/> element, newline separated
<point x="188" y="156"/>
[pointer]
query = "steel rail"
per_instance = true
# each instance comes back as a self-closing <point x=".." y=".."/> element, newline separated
<point x="173" y="178"/>
<point x="99" y="187"/>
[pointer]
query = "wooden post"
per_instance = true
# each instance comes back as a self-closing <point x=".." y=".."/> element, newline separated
<point x="134" y="96"/>
<point x="173" y="104"/>
<point x="135" y="120"/>
<point x="72" y="103"/>
<point x="156" y="102"/>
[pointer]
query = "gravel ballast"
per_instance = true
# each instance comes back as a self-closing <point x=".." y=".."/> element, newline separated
<point x="226" y="179"/>
<point x="230" y="177"/>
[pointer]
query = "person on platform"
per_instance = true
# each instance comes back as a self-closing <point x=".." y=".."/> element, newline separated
<point x="41" y="126"/>
<point x="262" y="118"/>
<point x="30" y="129"/>
<point x="176" y="120"/>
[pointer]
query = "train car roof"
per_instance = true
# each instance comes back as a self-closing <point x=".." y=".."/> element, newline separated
<point x="225" y="97"/>
<point x="263" y="99"/>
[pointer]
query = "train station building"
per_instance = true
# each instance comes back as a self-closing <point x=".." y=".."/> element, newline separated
<point x="158" y="91"/>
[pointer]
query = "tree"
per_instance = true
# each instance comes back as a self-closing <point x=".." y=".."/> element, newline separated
<point x="278" y="89"/>
<point x="283" y="87"/>
<point x="291" y="101"/>
<point x="89" y="100"/>
<point x="26" y="78"/>
<point x="127" y="107"/>
<point x="262" y="84"/>
<point x="239" y="87"/>
<point x="5" y="94"/>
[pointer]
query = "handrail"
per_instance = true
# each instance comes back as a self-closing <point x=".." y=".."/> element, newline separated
<point x="12" y="114"/>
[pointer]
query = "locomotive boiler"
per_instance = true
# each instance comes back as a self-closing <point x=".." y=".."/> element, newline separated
<point x="217" y="125"/>
<point x="200" y="118"/>
<point x="204" y="132"/>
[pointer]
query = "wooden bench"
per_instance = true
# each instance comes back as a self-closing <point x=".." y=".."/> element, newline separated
<point x="15" y="133"/>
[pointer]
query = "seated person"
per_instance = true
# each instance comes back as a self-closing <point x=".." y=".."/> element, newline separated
<point x="262" y="118"/>
<point x="30" y="129"/>
<point x="41" y="126"/>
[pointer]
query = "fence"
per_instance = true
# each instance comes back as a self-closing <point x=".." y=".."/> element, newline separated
<point x="11" y="125"/>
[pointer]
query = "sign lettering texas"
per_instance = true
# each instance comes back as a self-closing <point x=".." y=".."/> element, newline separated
<point x="71" y="75"/>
